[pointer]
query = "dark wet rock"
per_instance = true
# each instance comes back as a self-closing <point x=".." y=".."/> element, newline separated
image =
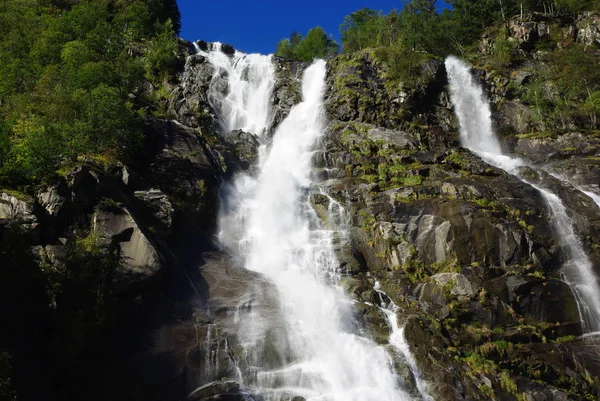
<point x="245" y="146"/>
<point x="226" y="390"/>
<point x="157" y="208"/>
<point x="202" y="45"/>
<point x="288" y="88"/>
<point x="185" y="168"/>
<point x="228" y="49"/>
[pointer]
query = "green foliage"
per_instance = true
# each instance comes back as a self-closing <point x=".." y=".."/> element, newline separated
<point x="575" y="6"/>
<point x="161" y="52"/>
<point x="67" y="70"/>
<point x="316" y="44"/>
<point x="576" y="71"/>
<point x="365" y="29"/>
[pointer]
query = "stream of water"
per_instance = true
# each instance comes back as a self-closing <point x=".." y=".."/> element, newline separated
<point x="476" y="132"/>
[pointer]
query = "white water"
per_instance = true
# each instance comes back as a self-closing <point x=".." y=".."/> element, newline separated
<point x="314" y="350"/>
<point x="398" y="341"/>
<point x="241" y="90"/>
<point x="592" y="195"/>
<point x="474" y="116"/>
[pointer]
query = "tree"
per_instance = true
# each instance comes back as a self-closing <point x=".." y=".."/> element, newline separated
<point x="418" y="21"/>
<point x="359" y="29"/>
<point x="316" y="44"/>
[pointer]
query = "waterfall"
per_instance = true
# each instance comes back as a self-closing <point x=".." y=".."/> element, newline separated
<point x="241" y="90"/>
<point x="310" y="347"/>
<point x="476" y="132"/>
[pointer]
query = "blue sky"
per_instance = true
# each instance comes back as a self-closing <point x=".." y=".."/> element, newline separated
<point x="257" y="25"/>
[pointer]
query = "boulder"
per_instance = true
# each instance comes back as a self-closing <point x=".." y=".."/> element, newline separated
<point x="156" y="206"/>
<point x="16" y="208"/>
<point x="460" y="285"/>
<point x="141" y="262"/>
<point x="227" y="49"/>
<point x="246" y="147"/>
<point x="53" y="198"/>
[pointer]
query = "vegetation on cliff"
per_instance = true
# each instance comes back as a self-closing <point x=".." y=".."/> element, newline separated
<point x="71" y="79"/>
<point x="77" y="80"/>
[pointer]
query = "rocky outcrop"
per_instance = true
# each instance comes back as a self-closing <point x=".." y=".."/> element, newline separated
<point x="188" y="102"/>
<point x="246" y="147"/>
<point x="141" y="263"/>
<point x="359" y="90"/>
<point x="588" y="29"/>
<point x="16" y="208"/>
<point x="528" y="33"/>
<point x="186" y="167"/>
<point x="288" y="88"/>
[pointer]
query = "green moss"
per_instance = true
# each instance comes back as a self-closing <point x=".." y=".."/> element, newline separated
<point x="412" y="180"/>
<point x="446" y="266"/>
<point x="535" y="135"/>
<point x="370" y="178"/>
<point x="564" y="339"/>
<point x="486" y="203"/>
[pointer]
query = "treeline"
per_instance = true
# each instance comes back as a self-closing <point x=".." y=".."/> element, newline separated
<point x="419" y="28"/>
<point x="67" y="72"/>
<point x="316" y="44"/>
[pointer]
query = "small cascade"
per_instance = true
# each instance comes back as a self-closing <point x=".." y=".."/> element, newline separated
<point x="398" y="340"/>
<point x="476" y="132"/>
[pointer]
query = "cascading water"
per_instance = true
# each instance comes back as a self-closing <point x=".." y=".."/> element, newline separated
<point x="474" y="117"/>
<point x="241" y="90"/>
<point x="310" y="347"/>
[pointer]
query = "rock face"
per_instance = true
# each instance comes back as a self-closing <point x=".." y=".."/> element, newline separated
<point x="15" y="208"/>
<point x="464" y="249"/>
<point x="185" y="167"/>
<point x="588" y="29"/>
<point x="141" y="263"/>
<point x="359" y="92"/>
<point x="157" y="208"/>
<point x="287" y="91"/>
